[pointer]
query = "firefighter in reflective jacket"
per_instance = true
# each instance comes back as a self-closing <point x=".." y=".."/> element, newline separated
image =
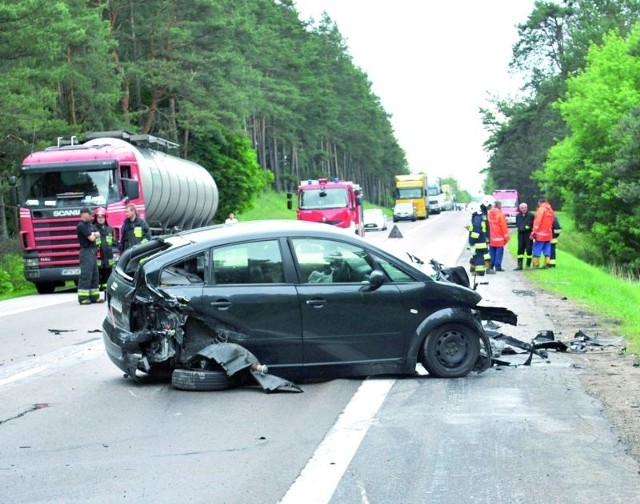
<point x="106" y="243"/>
<point x="88" y="291"/>
<point x="479" y="241"/>
<point x="542" y="232"/>
<point x="555" y="230"/>
<point x="134" y="230"/>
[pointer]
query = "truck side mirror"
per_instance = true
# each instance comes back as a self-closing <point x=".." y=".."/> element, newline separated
<point x="289" y="202"/>
<point x="13" y="191"/>
<point x="131" y="189"/>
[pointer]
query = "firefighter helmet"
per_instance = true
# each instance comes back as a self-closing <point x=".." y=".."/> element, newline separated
<point x="100" y="211"/>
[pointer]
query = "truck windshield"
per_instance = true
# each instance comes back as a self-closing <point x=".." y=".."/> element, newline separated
<point x="323" y="198"/>
<point x="70" y="188"/>
<point x="409" y="192"/>
<point x="508" y="202"/>
<point x="434" y="190"/>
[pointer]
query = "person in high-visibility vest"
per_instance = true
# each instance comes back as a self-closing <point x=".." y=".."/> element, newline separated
<point x="498" y="236"/>
<point x="479" y="241"/>
<point x="542" y="232"/>
<point x="107" y="246"/>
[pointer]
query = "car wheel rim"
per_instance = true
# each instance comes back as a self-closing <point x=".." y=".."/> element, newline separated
<point x="451" y="348"/>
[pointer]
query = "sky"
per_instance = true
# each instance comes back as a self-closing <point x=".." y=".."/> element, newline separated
<point x="433" y="64"/>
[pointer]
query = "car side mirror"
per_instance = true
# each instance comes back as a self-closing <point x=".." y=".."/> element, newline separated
<point x="376" y="279"/>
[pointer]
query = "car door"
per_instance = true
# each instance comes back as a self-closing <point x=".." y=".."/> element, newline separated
<point x="345" y="324"/>
<point x="249" y="300"/>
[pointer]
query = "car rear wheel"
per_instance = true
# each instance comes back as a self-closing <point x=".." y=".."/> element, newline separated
<point x="450" y="351"/>
<point x="200" y="379"/>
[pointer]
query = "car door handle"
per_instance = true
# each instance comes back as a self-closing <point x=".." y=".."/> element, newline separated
<point x="316" y="303"/>
<point x="223" y="304"/>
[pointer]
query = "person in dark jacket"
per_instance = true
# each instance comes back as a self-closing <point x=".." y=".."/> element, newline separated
<point x="479" y="241"/>
<point x="88" y="290"/>
<point x="107" y="246"/>
<point x="134" y="230"/>
<point x="554" y="241"/>
<point x="524" y="224"/>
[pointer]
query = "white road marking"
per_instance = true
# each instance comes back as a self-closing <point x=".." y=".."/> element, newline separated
<point x="320" y="477"/>
<point x="52" y="362"/>
<point x="28" y="303"/>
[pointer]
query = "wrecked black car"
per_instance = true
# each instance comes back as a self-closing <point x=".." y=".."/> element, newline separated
<point x="286" y="300"/>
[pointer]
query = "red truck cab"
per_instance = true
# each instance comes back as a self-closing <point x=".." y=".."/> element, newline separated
<point x="335" y="202"/>
<point x="510" y="200"/>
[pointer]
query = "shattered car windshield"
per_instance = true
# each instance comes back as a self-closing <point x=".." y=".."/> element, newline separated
<point x="69" y="188"/>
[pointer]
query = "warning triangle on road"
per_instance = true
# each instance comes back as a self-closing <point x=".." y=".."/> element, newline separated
<point x="395" y="232"/>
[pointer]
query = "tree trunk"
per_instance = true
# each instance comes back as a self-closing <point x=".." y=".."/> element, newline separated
<point x="4" y="232"/>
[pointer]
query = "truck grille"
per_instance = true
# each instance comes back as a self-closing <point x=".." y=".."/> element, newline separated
<point x="56" y="241"/>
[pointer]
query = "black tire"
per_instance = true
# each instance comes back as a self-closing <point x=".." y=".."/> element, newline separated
<point x="200" y="380"/>
<point x="45" y="287"/>
<point x="450" y="351"/>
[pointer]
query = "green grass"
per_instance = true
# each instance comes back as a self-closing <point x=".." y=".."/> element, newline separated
<point x="269" y="205"/>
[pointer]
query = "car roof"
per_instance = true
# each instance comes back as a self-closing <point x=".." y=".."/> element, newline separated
<point x="257" y="229"/>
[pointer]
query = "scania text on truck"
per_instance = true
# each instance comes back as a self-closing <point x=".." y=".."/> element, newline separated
<point x="112" y="170"/>
<point x="335" y="202"/>
<point x="510" y="200"/>
<point x="413" y="189"/>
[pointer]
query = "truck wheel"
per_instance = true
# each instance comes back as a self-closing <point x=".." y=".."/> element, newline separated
<point x="200" y="379"/>
<point x="45" y="287"/>
<point x="450" y="351"/>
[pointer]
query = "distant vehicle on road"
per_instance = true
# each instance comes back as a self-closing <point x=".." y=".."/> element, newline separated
<point x="510" y="201"/>
<point x="404" y="211"/>
<point x="413" y="189"/>
<point x="374" y="218"/>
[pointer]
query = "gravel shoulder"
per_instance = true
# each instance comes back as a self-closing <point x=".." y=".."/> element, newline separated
<point x="607" y="373"/>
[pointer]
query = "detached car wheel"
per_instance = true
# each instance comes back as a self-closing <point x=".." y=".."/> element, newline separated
<point x="200" y="379"/>
<point x="450" y="351"/>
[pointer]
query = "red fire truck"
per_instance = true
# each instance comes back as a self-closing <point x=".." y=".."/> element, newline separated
<point x="335" y="202"/>
<point x="110" y="170"/>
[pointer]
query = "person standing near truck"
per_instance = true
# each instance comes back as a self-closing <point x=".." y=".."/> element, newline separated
<point x="88" y="290"/>
<point x="478" y="241"/>
<point x="556" y="229"/>
<point x="524" y="224"/>
<point x="106" y="245"/>
<point x="498" y="236"/>
<point x="542" y="233"/>
<point x="134" y="230"/>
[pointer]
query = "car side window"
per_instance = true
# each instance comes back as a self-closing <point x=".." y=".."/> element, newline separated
<point x="188" y="271"/>
<point x="331" y="261"/>
<point x="248" y="263"/>
<point x="393" y="272"/>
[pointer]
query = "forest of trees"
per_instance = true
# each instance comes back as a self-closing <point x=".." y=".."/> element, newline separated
<point x="250" y="91"/>
<point x="264" y="99"/>
<point x="574" y="137"/>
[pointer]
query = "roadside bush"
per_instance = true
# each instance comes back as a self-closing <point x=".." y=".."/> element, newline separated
<point x="11" y="269"/>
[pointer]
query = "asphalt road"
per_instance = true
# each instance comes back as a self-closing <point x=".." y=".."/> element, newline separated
<point x="73" y="430"/>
